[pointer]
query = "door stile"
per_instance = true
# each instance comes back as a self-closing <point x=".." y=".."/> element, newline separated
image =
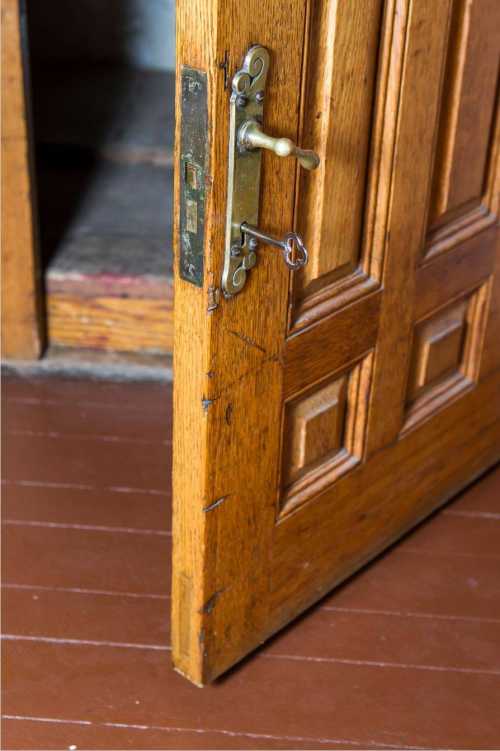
<point x="425" y="44"/>
<point x="189" y="437"/>
<point x="227" y="388"/>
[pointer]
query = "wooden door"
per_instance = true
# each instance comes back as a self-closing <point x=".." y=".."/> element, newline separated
<point x="320" y="414"/>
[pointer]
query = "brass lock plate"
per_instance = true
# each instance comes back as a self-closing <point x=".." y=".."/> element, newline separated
<point x="193" y="169"/>
<point x="247" y="102"/>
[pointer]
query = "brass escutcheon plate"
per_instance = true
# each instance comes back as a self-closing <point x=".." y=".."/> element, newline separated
<point x="247" y="102"/>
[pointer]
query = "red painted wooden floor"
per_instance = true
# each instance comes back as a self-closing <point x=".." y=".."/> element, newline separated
<point x="405" y="655"/>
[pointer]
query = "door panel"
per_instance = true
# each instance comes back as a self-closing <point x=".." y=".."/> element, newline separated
<point x="318" y="415"/>
<point x="339" y="91"/>
<point x="466" y="120"/>
<point x="365" y="512"/>
<point x="323" y="434"/>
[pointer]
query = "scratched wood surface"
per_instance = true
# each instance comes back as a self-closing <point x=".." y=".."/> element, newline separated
<point x="317" y="418"/>
<point x="227" y="363"/>
<point x="21" y="312"/>
<point x="86" y="597"/>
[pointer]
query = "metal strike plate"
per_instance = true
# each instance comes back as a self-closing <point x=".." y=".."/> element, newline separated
<point x="247" y="102"/>
<point x="193" y="169"/>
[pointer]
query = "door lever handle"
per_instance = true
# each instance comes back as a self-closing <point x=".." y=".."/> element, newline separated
<point x="246" y="141"/>
<point x="251" y="136"/>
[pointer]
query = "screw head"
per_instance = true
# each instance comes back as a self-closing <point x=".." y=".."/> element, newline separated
<point x="235" y="251"/>
<point x="241" y="101"/>
<point x="252" y="243"/>
<point x="260" y="96"/>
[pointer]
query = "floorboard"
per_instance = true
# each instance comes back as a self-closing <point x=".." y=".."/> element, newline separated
<point x="406" y="654"/>
<point x="368" y="704"/>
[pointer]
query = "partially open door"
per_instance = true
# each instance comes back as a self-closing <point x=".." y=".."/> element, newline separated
<point x="319" y="413"/>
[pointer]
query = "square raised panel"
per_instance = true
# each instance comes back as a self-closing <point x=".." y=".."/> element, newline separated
<point x="314" y="427"/>
<point x="437" y="349"/>
<point x="445" y="355"/>
<point x="323" y="433"/>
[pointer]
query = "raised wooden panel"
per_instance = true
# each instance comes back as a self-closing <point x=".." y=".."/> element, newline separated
<point x="446" y="354"/>
<point x="323" y="434"/>
<point x="339" y="86"/>
<point x="467" y="112"/>
<point x="437" y="349"/>
<point x="314" y="427"/>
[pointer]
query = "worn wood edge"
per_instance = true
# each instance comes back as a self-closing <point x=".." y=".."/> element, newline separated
<point x="147" y="286"/>
<point x="232" y="355"/>
<point x="189" y="430"/>
<point x="110" y="323"/>
<point x="22" y="310"/>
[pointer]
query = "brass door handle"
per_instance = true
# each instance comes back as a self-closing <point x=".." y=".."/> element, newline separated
<point x="251" y="136"/>
<point x="246" y="141"/>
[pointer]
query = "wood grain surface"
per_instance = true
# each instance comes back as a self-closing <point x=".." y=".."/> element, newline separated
<point x="21" y="310"/>
<point x="131" y="324"/>
<point x="86" y="598"/>
<point x="260" y="531"/>
<point x="230" y="367"/>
